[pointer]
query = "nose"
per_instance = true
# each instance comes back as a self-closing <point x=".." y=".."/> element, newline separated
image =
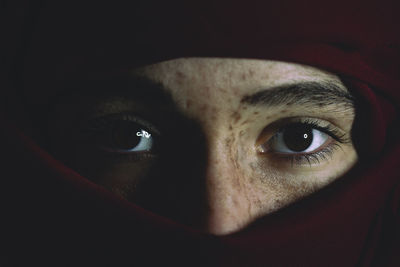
<point x="203" y="184"/>
<point x="228" y="206"/>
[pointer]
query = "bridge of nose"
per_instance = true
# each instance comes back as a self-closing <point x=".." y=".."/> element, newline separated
<point x="228" y="193"/>
<point x="229" y="206"/>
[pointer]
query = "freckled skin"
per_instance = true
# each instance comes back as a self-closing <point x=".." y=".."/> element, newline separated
<point x="188" y="103"/>
<point x="242" y="185"/>
<point x="236" y="117"/>
<point x="246" y="122"/>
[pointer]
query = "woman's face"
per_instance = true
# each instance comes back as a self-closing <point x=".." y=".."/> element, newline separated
<point x="213" y="143"/>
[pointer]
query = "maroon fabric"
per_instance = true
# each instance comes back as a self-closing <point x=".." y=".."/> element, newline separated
<point x="53" y="216"/>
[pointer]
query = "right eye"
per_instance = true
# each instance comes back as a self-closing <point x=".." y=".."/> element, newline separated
<point x="127" y="137"/>
<point x="121" y="133"/>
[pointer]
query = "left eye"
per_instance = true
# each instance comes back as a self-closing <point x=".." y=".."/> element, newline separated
<point x="298" y="138"/>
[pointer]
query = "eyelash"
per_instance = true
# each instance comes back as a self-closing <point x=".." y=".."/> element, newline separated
<point x="320" y="155"/>
<point x="328" y="129"/>
<point x="311" y="158"/>
<point x="102" y="124"/>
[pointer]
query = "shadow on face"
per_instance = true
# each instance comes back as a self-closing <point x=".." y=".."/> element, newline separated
<point x="212" y="143"/>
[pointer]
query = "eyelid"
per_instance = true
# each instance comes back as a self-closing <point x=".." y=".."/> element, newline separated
<point x="312" y="158"/>
<point x="105" y="120"/>
<point x="320" y="124"/>
<point x="135" y="118"/>
<point x="285" y="150"/>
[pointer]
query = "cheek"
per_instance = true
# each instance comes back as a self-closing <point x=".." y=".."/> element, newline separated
<point x="261" y="188"/>
<point x="267" y="190"/>
<point x="268" y="187"/>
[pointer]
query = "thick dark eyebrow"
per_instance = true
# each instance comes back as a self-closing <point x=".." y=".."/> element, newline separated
<point x="311" y="94"/>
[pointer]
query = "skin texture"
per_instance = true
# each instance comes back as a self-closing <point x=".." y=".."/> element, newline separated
<point x="238" y="179"/>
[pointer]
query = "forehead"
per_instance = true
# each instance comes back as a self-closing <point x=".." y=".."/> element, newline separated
<point x="204" y="87"/>
<point x="238" y="76"/>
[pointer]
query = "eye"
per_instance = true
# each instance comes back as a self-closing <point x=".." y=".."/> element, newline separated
<point x="301" y="141"/>
<point x="298" y="138"/>
<point x="126" y="137"/>
<point x="121" y="134"/>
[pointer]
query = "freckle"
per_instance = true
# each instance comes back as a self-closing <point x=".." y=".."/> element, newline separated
<point x="244" y="108"/>
<point x="252" y="179"/>
<point x="203" y="108"/>
<point x="237" y="158"/>
<point x="207" y="91"/>
<point x="230" y="127"/>
<point x="268" y="117"/>
<point x="237" y="92"/>
<point x="256" y="112"/>
<point x="235" y="202"/>
<point x="284" y="111"/>
<point x="223" y="90"/>
<point x="236" y="117"/>
<point x="228" y="142"/>
<point x="245" y="122"/>
<point x="188" y="103"/>
<point x="244" y="76"/>
<point x="179" y="75"/>
<point x="253" y="166"/>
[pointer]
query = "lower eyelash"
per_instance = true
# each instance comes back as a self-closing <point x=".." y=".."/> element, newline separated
<point x="311" y="158"/>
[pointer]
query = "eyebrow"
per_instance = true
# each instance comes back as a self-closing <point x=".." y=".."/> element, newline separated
<point x="313" y="94"/>
<point x="137" y="88"/>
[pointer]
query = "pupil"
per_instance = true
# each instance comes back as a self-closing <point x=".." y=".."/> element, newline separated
<point x="298" y="137"/>
<point x="124" y="136"/>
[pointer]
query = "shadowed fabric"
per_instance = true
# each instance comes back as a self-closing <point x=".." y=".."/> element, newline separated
<point x="52" y="216"/>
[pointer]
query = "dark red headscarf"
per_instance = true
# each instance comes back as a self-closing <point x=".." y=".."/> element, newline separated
<point x="53" y="216"/>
